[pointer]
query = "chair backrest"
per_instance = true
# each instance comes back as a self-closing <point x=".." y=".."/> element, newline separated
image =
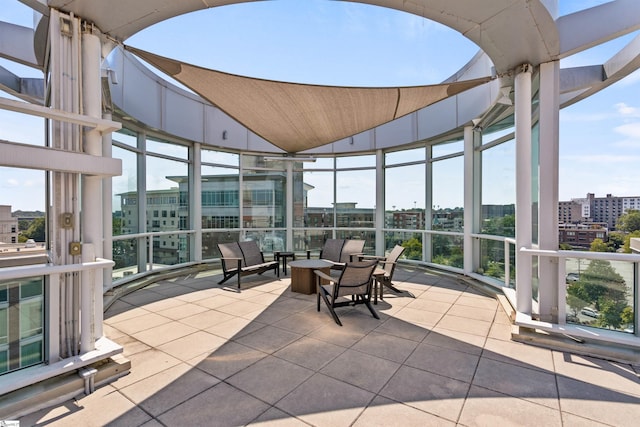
<point x="230" y="250"/>
<point x="355" y="278"/>
<point x="252" y="253"/>
<point x="332" y="249"/>
<point x="392" y="258"/>
<point x="351" y="246"/>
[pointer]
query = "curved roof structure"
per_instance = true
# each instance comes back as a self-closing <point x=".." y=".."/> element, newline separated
<point x="297" y="117"/>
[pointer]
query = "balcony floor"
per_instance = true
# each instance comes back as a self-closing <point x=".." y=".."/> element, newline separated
<point x="203" y="354"/>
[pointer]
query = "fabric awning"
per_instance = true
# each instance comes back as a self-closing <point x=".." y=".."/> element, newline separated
<point x="297" y="117"/>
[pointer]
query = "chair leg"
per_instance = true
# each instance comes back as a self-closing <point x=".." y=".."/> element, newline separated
<point x="367" y="302"/>
<point x="330" y="307"/>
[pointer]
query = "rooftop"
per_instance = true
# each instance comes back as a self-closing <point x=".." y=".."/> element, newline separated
<point x="441" y="354"/>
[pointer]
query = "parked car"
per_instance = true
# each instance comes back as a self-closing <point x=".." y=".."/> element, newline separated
<point x="591" y="312"/>
<point x="30" y="243"/>
<point x="573" y="277"/>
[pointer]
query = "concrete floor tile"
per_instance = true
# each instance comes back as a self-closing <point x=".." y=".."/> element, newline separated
<point x="206" y="318"/>
<point x="163" y="333"/>
<point x="426" y="391"/>
<point x="402" y="329"/>
<point x="598" y="403"/>
<point x="181" y="311"/>
<point x="521" y="354"/>
<point x="145" y="364"/>
<point x="383" y="412"/>
<point x="463" y="324"/>
<point x="427" y="319"/>
<point x="430" y="305"/>
<point x="488" y="408"/>
<point x="361" y="370"/>
<point x="444" y="361"/>
<point x="140" y="323"/>
<point x="235" y="328"/>
<point x="310" y="353"/>
<point x="386" y="346"/>
<point x="324" y="401"/>
<point x="530" y="384"/>
<point x="229" y="359"/>
<point x="486" y="315"/>
<point x="161" y="392"/>
<point x="190" y="346"/>
<point x="455" y="340"/>
<point x="265" y="380"/>
<point x="276" y="418"/>
<point x="268" y="339"/>
<point x="220" y="405"/>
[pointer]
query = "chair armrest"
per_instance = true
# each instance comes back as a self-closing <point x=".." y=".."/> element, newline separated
<point x="370" y="257"/>
<point x="324" y="275"/>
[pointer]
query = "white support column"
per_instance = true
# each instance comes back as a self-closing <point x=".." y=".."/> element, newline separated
<point x="380" y="204"/>
<point x="548" y="191"/>
<point x="290" y="208"/>
<point x="428" y="204"/>
<point x="91" y="283"/>
<point x="195" y="200"/>
<point x="523" y="187"/>
<point x="107" y="212"/>
<point x="468" y="199"/>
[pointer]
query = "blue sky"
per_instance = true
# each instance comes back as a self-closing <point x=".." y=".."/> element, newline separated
<point x="339" y="43"/>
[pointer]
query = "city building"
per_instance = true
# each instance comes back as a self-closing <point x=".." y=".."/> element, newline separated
<point x="235" y="158"/>
<point x="592" y="209"/>
<point x="8" y="226"/>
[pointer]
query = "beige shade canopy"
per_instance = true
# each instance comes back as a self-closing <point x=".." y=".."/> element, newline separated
<point x="297" y="117"/>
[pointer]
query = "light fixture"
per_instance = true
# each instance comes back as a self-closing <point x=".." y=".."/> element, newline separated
<point x="111" y="74"/>
<point x="289" y="159"/>
<point x="504" y="97"/>
<point x="224" y="134"/>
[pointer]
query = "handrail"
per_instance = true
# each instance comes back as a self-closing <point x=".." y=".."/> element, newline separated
<point x="579" y="254"/>
<point x="11" y="273"/>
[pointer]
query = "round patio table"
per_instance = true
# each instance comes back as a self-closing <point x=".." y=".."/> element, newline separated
<point x="303" y="280"/>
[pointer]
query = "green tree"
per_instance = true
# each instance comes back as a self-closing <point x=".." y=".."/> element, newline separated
<point x="36" y="230"/>
<point x="413" y="248"/>
<point x="629" y="221"/>
<point x="599" y="281"/>
<point x="627" y="315"/>
<point x="616" y="241"/>
<point x="611" y="312"/>
<point x="599" y="246"/>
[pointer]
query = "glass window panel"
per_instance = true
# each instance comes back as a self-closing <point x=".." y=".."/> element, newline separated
<point x="4" y="325"/>
<point x="355" y="162"/>
<point x="320" y="163"/>
<point x="125" y="194"/>
<point x="310" y="240"/>
<point x="268" y="241"/>
<point x="447" y="148"/>
<point x="167" y="189"/>
<point x="259" y="162"/>
<point x="220" y="157"/>
<point x="21" y="128"/>
<point x="498" y="190"/>
<point x="355" y="198"/>
<point x="125" y="255"/>
<point x="448" y="194"/>
<point x="125" y="136"/>
<point x="31" y="288"/>
<point x="167" y="149"/>
<point x="405" y="156"/>
<point x="220" y="197"/>
<point x="4" y="360"/>
<point x="264" y="199"/>
<point x="31" y="320"/>
<point x="405" y="209"/>
<point x="313" y="199"/>
<point x="31" y="353"/>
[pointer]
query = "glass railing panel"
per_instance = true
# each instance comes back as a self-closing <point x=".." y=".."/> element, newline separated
<point x="600" y="293"/>
<point x="447" y="250"/>
<point x="125" y="256"/>
<point x="412" y="242"/>
<point x="492" y="259"/>
<point x="170" y="249"/>
<point x="369" y="237"/>
<point x="211" y="239"/>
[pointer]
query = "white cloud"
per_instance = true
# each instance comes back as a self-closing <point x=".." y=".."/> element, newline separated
<point x="627" y="110"/>
<point x="601" y="159"/>
<point x="631" y="130"/>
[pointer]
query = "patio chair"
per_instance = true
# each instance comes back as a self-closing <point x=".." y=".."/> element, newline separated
<point x="340" y="251"/>
<point x="384" y="275"/>
<point x="354" y="281"/>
